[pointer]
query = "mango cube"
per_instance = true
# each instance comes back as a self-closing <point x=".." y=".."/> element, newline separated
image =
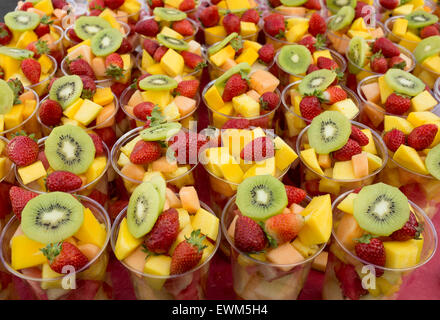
<point x="172" y="63"/>
<point x="32" y="172"/>
<point x="343" y="170"/>
<point x="207" y="223"/>
<point x="284" y="154"/>
<point x="402" y="254"/>
<point x="432" y="63"/>
<point x="103" y="96"/>
<point x="247" y="28"/>
<point x="408" y="157"/>
<point x="394" y="122"/>
<point x="222" y="55"/>
<point x="87" y="112"/>
<point x="25" y="253"/>
<point x="91" y="231"/>
<point x="213" y="98"/>
<point x="161" y="97"/>
<point x="171" y="33"/>
<point x="157" y="265"/>
<point x="96" y="168"/>
<point x="400" y="26"/>
<point x="423" y="101"/>
<point x="125" y="243"/>
<point x="248" y="55"/>
<point x="246" y="106"/>
<point x="347" y="107"/>
<point x="309" y="157"/>
<point x="347" y="205"/>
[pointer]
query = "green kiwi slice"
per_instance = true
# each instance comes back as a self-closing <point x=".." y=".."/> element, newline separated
<point x="294" y="59"/>
<point x="404" y="82"/>
<point x="66" y="90"/>
<point x="432" y="162"/>
<point x="86" y="27"/>
<point x="106" y="41"/>
<point x="243" y="67"/>
<point x="143" y="209"/>
<point x="335" y="5"/>
<point x="293" y="3"/>
<point x="22" y="20"/>
<point x="426" y="48"/>
<point x="318" y="80"/>
<point x="220" y="45"/>
<point x="52" y="217"/>
<point x="158" y="82"/>
<point x="169" y="14"/>
<point x="381" y="209"/>
<point x="420" y="19"/>
<point x="261" y="197"/>
<point x="69" y="148"/>
<point x="7" y="97"/>
<point x="172" y="43"/>
<point x="160" y="185"/>
<point x="357" y="53"/>
<point x="342" y="18"/>
<point x="15" y="53"/>
<point x="329" y="132"/>
<point x="162" y="132"/>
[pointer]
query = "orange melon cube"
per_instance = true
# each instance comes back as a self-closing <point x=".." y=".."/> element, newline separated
<point x="133" y="171"/>
<point x="360" y="165"/>
<point x="296" y="208"/>
<point x="284" y="254"/>
<point x="254" y="95"/>
<point x="129" y="110"/>
<point x="105" y="117"/>
<point x="89" y="250"/>
<point x="98" y="66"/>
<point x="371" y="91"/>
<point x="324" y="161"/>
<point x="28" y="95"/>
<point x="190" y="199"/>
<point x="374" y="112"/>
<point x="348" y="230"/>
<point x="135" y="99"/>
<point x="136" y="259"/>
<point x="185" y="105"/>
<point x="263" y="81"/>
<point x="320" y="262"/>
<point x="228" y="64"/>
<point x="85" y="52"/>
<point x="172" y="199"/>
<point x="163" y="165"/>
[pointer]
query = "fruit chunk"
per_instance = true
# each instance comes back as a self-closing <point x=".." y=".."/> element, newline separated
<point x="91" y="231"/>
<point x="190" y="200"/>
<point x="410" y="159"/>
<point x="126" y="243"/>
<point x="346" y="205"/>
<point x="25" y="253"/>
<point x="348" y="230"/>
<point x="213" y="98"/>
<point x="343" y="170"/>
<point x="207" y="223"/>
<point x="393" y="122"/>
<point x="360" y="165"/>
<point x="309" y="157"/>
<point x="157" y="265"/>
<point x="284" y="254"/>
<point x="32" y="172"/>
<point x="263" y="81"/>
<point x="371" y="146"/>
<point x="402" y="254"/>
<point x="246" y="106"/>
<point x="284" y="154"/>
<point x="423" y="101"/>
<point x="347" y="107"/>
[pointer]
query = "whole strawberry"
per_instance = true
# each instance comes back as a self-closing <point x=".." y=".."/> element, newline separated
<point x="143" y="110"/>
<point x="22" y="150"/>
<point x="429" y="31"/>
<point x="145" y="152"/>
<point x="236" y="124"/>
<point x="187" y="253"/>
<point x="155" y="3"/>
<point x="294" y="195"/>
<point x="317" y="25"/>
<point x="125" y="47"/>
<point x="283" y="227"/>
<point x="235" y="86"/>
<point x="187" y="88"/>
<point x="209" y="16"/>
<point x="393" y="139"/>
<point x="248" y="235"/>
<point x="19" y="198"/>
<point x="231" y="23"/>
<point x="81" y="67"/>
<point x="310" y="107"/>
<point x="371" y="250"/>
<point x="5" y="34"/>
<point x="411" y="230"/>
<point x="25" y="6"/>
<point x="326" y="63"/>
<point x="98" y="143"/>
<point x="358" y="136"/>
<point x="275" y="3"/>
<point x="274" y="25"/>
<point x="114" y="66"/>
<point x="378" y="63"/>
<point x="192" y="60"/>
<point x="108" y="135"/>
<point x="50" y="113"/>
<point x="313" y="5"/>
<point x="269" y="101"/>
<point x="64" y="254"/>
<point x="250" y="15"/>
<point x="150" y="46"/>
<point x="159" y="53"/>
<point x="96" y="5"/>
<point x="422" y="137"/>
<point x="114" y="4"/>
<point x="31" y="69"/>
<point x="38" y="48"/>
<point x="350" y="282"/>
<point x="387" y="47"/>
<point x="44" y="26"/>
<point x="313" y="43"/>
<point x="73" y="36"/>
<point x="389" y="4"/>
<point x="397" y="62"/>
<point x="164" y="233"/>
<point x="266" y="53"/>
<point x="184" y="27"/>
<point x="313" y="67"/>
<point x="63" y="181"/>
<point x="350" y="149"/>
<point x="89" y="87"/>
<point x="258" y="149"/>
<point x="334" y="94"/>
<point x="187" y="5"/>
<point x="397" y="104"/>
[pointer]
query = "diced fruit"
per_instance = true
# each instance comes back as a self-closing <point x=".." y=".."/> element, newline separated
<point x="91" y="231"/>
<point x="263" y="81"/>
<point x="310" y="158"/>
<point x="284" y="154"/>
<point x="32" y="172"/>
<point x="410" y="159"/>
<point x="346" y="205"/>
<point x="284" y="254"/>
<point x="348" y="230"/>
<point x="25" y="253"/>
<point x="423" y="101"/>
<point x="360" y="165"/>
<point x="343" y="170"/>
<point x="126" y="243"/>
<point x="403" y="254"/>
<point x="371" y="146"/>
<point x="246" y="106"/>
<point x="207" y="223"/>
<point x="393" y="122"/>
<point x="190" y="200"/>
<point x="346" y="107"/>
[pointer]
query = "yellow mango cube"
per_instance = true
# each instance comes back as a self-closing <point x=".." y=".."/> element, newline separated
<point x="247" y="28"/>
<point x="125" y="243"/>
<point x="238" y="4"/>
<point x="73" y="108"/>
<point x="347" y="107"/>
<point x="162" y="97"/>
<point x="400" y="26"/>
<point x="384" y="89"/>
<point x="432" y="63"/>
<point x="45" y="6"/>
<point x="91" y="231"/>
<point x="172" y="63"/>
<point x="248" y="55"/>
<point x="408" y="157"/>
<point x="284" y="154"/>
<point x="213" y="98"/>
<point x="402" y="254"/>
<point x="14" y="117"/>
<point x="222" y="55"/>
<point x="32" y="172"/>
<point x="246" y="106"/>
<point x="25" y="253"/>
<point x="207" y="222"/>
<point x="96" y="168"/>
<point x="310" y="159"/>
<point x="46" y="64"/>
<point x="343" y="170"/>
<point x="394" y="122"/>
<point x="108" y="15"/>
<point x="423" y="101"/>
<point x="88" y="111"/>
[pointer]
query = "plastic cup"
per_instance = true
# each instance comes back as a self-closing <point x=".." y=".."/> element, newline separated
<point x="8" y="165"/>
<point x="408" y="44"/>
<point x="426" y="75"/>
<point x="437" y="89"/>
<point x="385" y="287"/>
<point x="383" y="13"/>
<point x="92" y="274"/>
<point x="194" y="24"/>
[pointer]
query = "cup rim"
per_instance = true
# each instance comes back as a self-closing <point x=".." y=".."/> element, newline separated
<point x="198" y="3"/>
<point x="66" y="35"/>
<point x="437" y="88"/>
<point x="6" y="141"/>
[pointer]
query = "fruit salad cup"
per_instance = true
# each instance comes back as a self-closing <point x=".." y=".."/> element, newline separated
<point x="428" y="60"/>
<point x="155" y="260"/>
<point x="55" y="263"/>
<point x="385" y="9"/>
<point x="56" y="10"/>
<point x="362" y="267"/>
<point x="68" y="160"/>
<point x="128" y="11"/>
<point x="334" y="166"/>
<point x="295" y="9"/>
<point x="381" y="100"/>
<point x="190" y="7"/>
<point x="256" y="103"/>
<point x="274" y="269"/>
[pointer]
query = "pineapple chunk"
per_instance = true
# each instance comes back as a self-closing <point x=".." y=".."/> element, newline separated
<point x="394" y="122"/>
<point x="410" y="159"/>
<point x="346" y="205"/>
<point x="126" y="243"/>
<point x="310" y="158"/>
<point x="284" y="154"/>
<point x="160" y="266"/>
<point x="347" y="107"/>
<point x="246" y="106"/>
<point x="207" y="223"/>
<point x="265" y="167"/>
<point x="87" y="112"/>
<point x="172" y="63"/>
<point x="248" y="29"/>
<point x="25" y="253"/>
<point x="423" y="101"/>
<point x="160" y="97"/>
<point x="91" y="231"/>
<point x="48" y="273"/>
<point x="97" y="167"/>
<point x="402" y="254"/>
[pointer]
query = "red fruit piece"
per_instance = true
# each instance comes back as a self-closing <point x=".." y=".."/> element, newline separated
<point x="42" y="157"/>
<point x="159" y="53"/>
<point x="422" y="137"/>
<point x="96" y="5"/>
<point x="31" y="69"/>
<point x="125" y="47"/>
<point x="26" y="6"/>
<point x="81" y="67"/>
<point x="350" y="149"/>
<point x="378" y="63"/>
<point x="327" y="63"/>
<point x="235" y="86"/>
<point x="22" y="150"/>
<point x="274" y="25"/>
<point x="393" y="139"/>
<point x="349" y="281"/>
<point x="19" y="197"/>
<point x="98" y="143"/>
<point x="107" y="135"/>
<point x="334" y="94"/>
<point x="231" y="23"/>
<point x="192" y="60"/>
<point x="73" y="36"/>
<point x="311" y="68"/>
<point x="411" y="229"/>
<point x="351" y="82"/>
<point x="187" y="253"/>
<point x="385" y="45"/>
<point x="184" y="27"/>
<point x="275" y="3"/>
<point x="150" y="46"/>
<point x="294" y="195"/>
<point x="269" y="101"/>
<point x="187" y="146"/>
<point x="95" y="13"/>
<point x="236" y="124"/>
<point x="50" y="113"/>
<point x="358" y="10"/>
<point x="155" y="3"/>
<point x="283" y="227"/>
<point x="59" y="4"/>
<point x="63" y="181"/>
<point x="188" y="88"/>
<point x="145" y="152"/>
<point x="358" y="136"/>
<point x="209" y="16"/>
<point x="317" y="25"/>
<point x="309" y="42"/>
<point x="147" y="27"/>
<point x="371" y="250"/>
<point x="164" y="233"/>
<point x="429" y="31"/>
<point x="5" y="203"/>
<point x="248" y="235"/>
<point x="143" y="110"/>
<point x="114" y="4"/>
<point x="64" y="254"/>
<point x="267" y="53"/>
<point x="5" y="34"/>
<point x="310" y="107"/>
<point x="313" y="5"/>
<point x="389" y="4"/>
<point x="116" y="207"/>
<point x="43" y="28"/>
<point x="250" y="15"/>
<point x="187" y="5"/>
<point x="396" y="62"/>
<point x="397" y="104"/>
<point x="89" y="87"/>
<point x="258" y="149"/>
<point x="114" y="66"/>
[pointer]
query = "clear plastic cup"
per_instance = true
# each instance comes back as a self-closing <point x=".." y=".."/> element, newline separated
<point x="383" y="13"/>
<point x="190" y="285"/>
<point x="194" y="24"/>
<point x="408" y="44"/>
<point x="93" y="273"/>
<point x="428" y="76"/>
<point x="385" y="287"/>
<point x="437" y="89"/>
<point x="262" y="280"/>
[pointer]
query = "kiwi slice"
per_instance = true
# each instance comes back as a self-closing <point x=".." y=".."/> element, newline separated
<point x="66" y="90"/>
<point x="15" y="53"/>
<point x="160" y="185"/>
<point x="217" y="47"/>
<point x="318" y="80"/>
<point x="86" y="27"/>
<point x="161" y="132"/>
<point x="69" y="148"/>
<point x="329" y="132"/>
<point x="143" y="209"/>
<point x="342" y="18"/>
<point x="172" y="43"/>
<point x="357" y="53"/>
<point x="293" y="3"/>
<point x="22" y="20"/>
<point x="420" y="19"/>
<point x="158" y="82"/>
<point x="432" y="162"/>
<point x="7" y="97"/>
<point x="294" y="59"/>
<point x="261" y="197"/>
<point x="381" y="209"/>
<point x="241" y="67"/>
<point x="169" y="14"/>
<point x="335" y="5"/>
<point x="426" y="48"/>
<point x="106" y="41"/>
<point x="404" y="82"/>
<point x="52" y="217"/>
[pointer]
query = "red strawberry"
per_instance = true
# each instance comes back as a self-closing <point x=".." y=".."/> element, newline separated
<point x="114" y="4"/>
<point x="317" y="25"/>
<point x="283" y="227"/>
<point x="81" y="67"/>
<point x="396" y="62"/>
<point x="309" y="42"/>
<point x="236" y="124"/>
<point x="235" y="86"/>
<point x="73" y="36"/>
<point x="258" y="149"/>
<point x="250" y="15"/>
<point x="5" y="203"/>
<point x="359" y="11"/>
<point x="159" y="53"/>
<point x="188" y="88"/>
<point x="19" y="198"/>
<point x="397" y="104"/>
<point x="310" y="107"/>
<point x="59" y="4"/>
<point x="429" y="31"/>
<point x="192" y="60"/>
<point x="95" y="13"/>
<point x="187" y="253"/>
<point x="269" y="101"/>
<point x="313" y="67"/>
<point x="274" y="25"/>
<point x="294" y="195"/>
<point x="378" y="63"/>
<point x="64" y="254"/>
<point x="231" y="23"/>
<point x="421" y="137"/>
<point x="138" y="80"/>
<point x="145" y="152"/>
<point x="393" y="139"/>
<point x="26" y="6"/>
<point x="187" y="5"/>
<point x="164" y="232"/>
<point x="350" y="149"/>
<point x="184" y="27"/>
<point x="50" y="112"/>
<point x="114" y="66"/>
<point x="150" y="46"/>
<point x="410" y="230"/>
<point x="209" y="16"/>
<point x="96" y="5"/>
<point x="389" y="4"/>
<point x="416" y="193"/>
<point x="116" y="207"/>
<point x="31" y="69"/>
<point x="89" y="87"/>
<point x="107" y="135"/>
<point x="22" y="150"/>
<point x="147" y="27"/>
<point x="275" y="3"/>
<point x="42" y="29"/>
<point x="98" y="143"/>
<point x="5" y="34"/>
<point x="38" y="47"/>
<point x="334" y="94"/>
<point x="371" y="250"/>
<point x="349" y="281"/>
<point x="313" y="5"/>
<point x="187" y="146"/>
<point x="327" y="63"/>
<point x="155" y="3"/>
<point x="143" y="110"/>
<point x="63" y="181"/>
<point x="248" y="235"/>
<point x="266" y="53"/>
<point x="351" y="82"/>
<point x="118" y="88"/>
<point x="358" y="136"/>
<point x="385" y="45"/>
<point x="125" y="47"/>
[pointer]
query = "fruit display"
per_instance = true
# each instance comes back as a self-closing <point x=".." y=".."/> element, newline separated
<point x="275" y="233"/>
<point x="166" y="240"/>
<point x="295" y="8"/>
<point x="56" y="10"/>
<point x="377" y="235"/>
<point x="187" y="6"/>
<point x="390" y="8"/>
<point x="127" y="11"/>
<point x="428" y="60"/>
<point x="41" y="249"/>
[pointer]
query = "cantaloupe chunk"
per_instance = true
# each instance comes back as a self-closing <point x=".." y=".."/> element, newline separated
<point x="173" y="200"/>
<point x="296" y="208"/>
<point x="89" y="250"/>
<point x="133" y="171"/>
<point x="320" y="262"/>
<point x="371" y="92"/>
<point x="85" y="52"/>
<point x="190" y="199"/>
<point x="231" y="229"/>
<point x="348" y="230"/>
<point x="263" y="81"/>
<point x="254" y="95"/>
<point x="163" y="165"/>
<point x="98" y="66"/>
<point x="105" y="117"/>
<point x="228" y="64"/>
<point x="284" y="254"/>
<point x="136" y="259"/>
<point x="360" y="164"/>
<point x="185" y="105"/>
<point x="28" y="95"/>
<point x="374" y="112"/>
<point x="135" y="99"/>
